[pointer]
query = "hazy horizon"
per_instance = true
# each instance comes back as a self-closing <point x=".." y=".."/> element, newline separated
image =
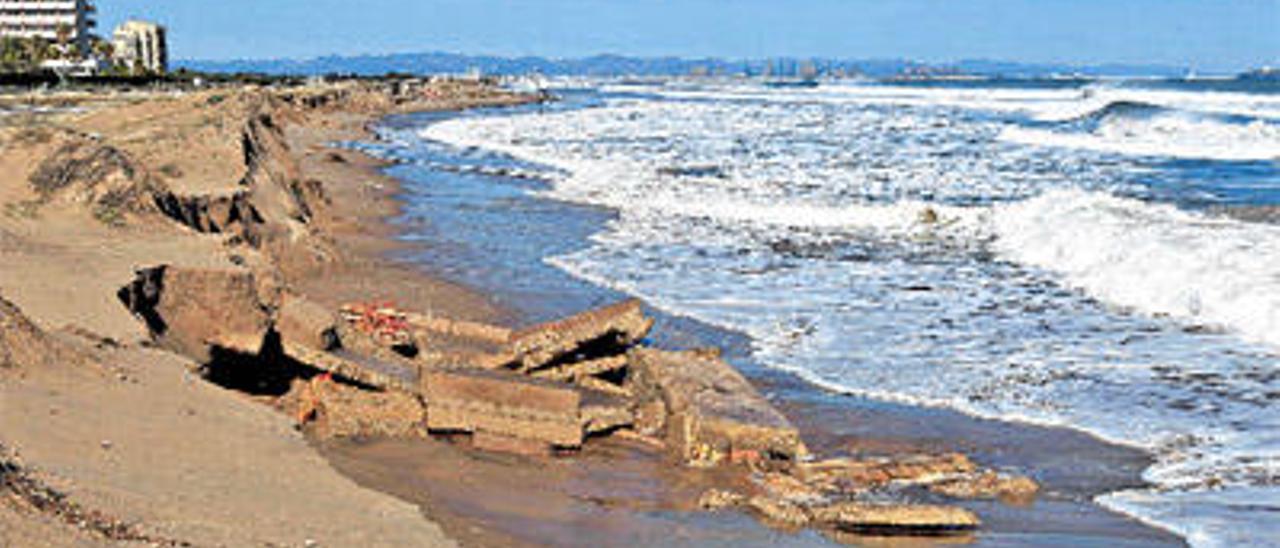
<point x="1222" y="37"/>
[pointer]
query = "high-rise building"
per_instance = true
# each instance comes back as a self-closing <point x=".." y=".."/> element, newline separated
<point x="139" y="44"/>
<point x="45" y="19"/>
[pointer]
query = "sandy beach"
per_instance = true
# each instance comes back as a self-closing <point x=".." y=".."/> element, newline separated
<point x="113" y="435"/>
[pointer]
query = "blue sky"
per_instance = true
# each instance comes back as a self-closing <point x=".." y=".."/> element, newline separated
<point x="1206" y="34"/>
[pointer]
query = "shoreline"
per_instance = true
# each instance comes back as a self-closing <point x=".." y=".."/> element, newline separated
<point x="819" y="412"/>
<point x="346" y="255"/>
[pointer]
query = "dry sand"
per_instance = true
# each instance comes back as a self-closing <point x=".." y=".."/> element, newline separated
<point x="131" y="433"/>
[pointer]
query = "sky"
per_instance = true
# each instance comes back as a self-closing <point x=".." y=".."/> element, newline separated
<point x="1208" y="35"/>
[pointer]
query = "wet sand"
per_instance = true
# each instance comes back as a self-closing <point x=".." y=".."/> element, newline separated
<point x="165" y="468"/>
<point x="486" y="233"/>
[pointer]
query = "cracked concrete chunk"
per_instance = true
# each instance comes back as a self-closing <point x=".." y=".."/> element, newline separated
<point x="612" y="327"/>
<point x="713" y="412"/>
<point x="502" y="403"/>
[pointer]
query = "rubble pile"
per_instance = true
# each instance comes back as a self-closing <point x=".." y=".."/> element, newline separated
<point x="370" y="370"/>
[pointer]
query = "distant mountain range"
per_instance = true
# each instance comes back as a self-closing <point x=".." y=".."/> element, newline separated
<point x="617" y="65"/>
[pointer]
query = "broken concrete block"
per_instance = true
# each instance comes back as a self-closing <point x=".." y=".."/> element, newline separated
<point x="717" y="499"/>
<point x="358" y="340"/>
<point x="580" y="370"/>
<point x="193" y="310"/>
<point x="988" y="485"/>
<point x="779" y="512"/>
<point x="788" y="488"/>
<point x="651" y="418"/>
<point x="599" y="385"/>
<point x="500" y="443"/>
<point x="613" y="327"/>
<point x="903" y="519"/>
<point x="603" y="413"/>
<point x="845" y="474"/>
<point x="445" y="343"/>
<point x="334" y="410"/>
<point x="472" y="400"/>
<point x="303" y="322"/>
<point x="713" y="412"/>
<point x="380" y="375"/>
<point x="458" y="329"/>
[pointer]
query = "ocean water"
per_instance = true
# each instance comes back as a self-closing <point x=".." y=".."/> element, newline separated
<point x="1045" y="252"/>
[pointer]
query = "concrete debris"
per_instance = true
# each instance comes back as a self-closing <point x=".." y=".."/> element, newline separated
<point x="788" y="488"/>
<point x="193" y="311"/>
<point x="782" y="513"/>
<point x="718" y="499"/>
<point x="471" y="331"/>
<point x="333" y="410"/>
<point x="503" y="403"/>
<point x="891" y="519"/>
<point x="301" y="322"/>
<point x="860" y="474"/>
<point x="989" y="485"/>
<point x="547" y="388"/>
<point x="485" y="440"/>
<point x="382" y="376"/>
<point x="600" y="413"/>
<point x="713" y="412"/>
<point x="578" y="371"/>
<point x="595" y="332"/>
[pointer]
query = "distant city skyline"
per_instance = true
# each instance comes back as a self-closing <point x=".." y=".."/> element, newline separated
<point x="1223" y="36"/>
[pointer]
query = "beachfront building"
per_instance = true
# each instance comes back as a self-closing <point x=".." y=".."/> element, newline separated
<point x="52" y="20"/>
<point x="141" y="46"/>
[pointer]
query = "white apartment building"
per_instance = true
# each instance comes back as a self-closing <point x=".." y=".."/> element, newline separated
<point x="42" y="18"/>
<point x="141" y="44"/>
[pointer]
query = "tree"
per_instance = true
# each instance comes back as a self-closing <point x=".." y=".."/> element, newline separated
<point x="37" y="50"/>
<point x="104" y="49"/>
<point x="66" y="49"/>
<point x="12" y="55"/>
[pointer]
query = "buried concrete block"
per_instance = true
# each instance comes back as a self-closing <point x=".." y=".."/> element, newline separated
<point x="604" y="330"/>
<point x="194" y="311"/>
<point x="471" y="400"/>
<point x="713" y="412"/>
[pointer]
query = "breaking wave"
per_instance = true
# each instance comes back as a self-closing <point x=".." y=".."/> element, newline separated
<point x="941" y="254"/>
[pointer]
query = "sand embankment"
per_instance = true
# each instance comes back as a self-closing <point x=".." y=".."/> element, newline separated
<point x="99" y="422"/>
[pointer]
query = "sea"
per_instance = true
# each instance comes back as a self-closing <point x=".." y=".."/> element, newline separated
<point x="1097" y="255"/>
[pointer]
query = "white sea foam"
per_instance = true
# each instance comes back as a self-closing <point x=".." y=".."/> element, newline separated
<point x="1175" y="135"/>
<point x="1152" y="258"/>
<point x="912" y="254"/>
<point x="1047" y="105"/>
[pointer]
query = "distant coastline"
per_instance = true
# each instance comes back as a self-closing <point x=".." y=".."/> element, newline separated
<point x="619" y="65"/>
